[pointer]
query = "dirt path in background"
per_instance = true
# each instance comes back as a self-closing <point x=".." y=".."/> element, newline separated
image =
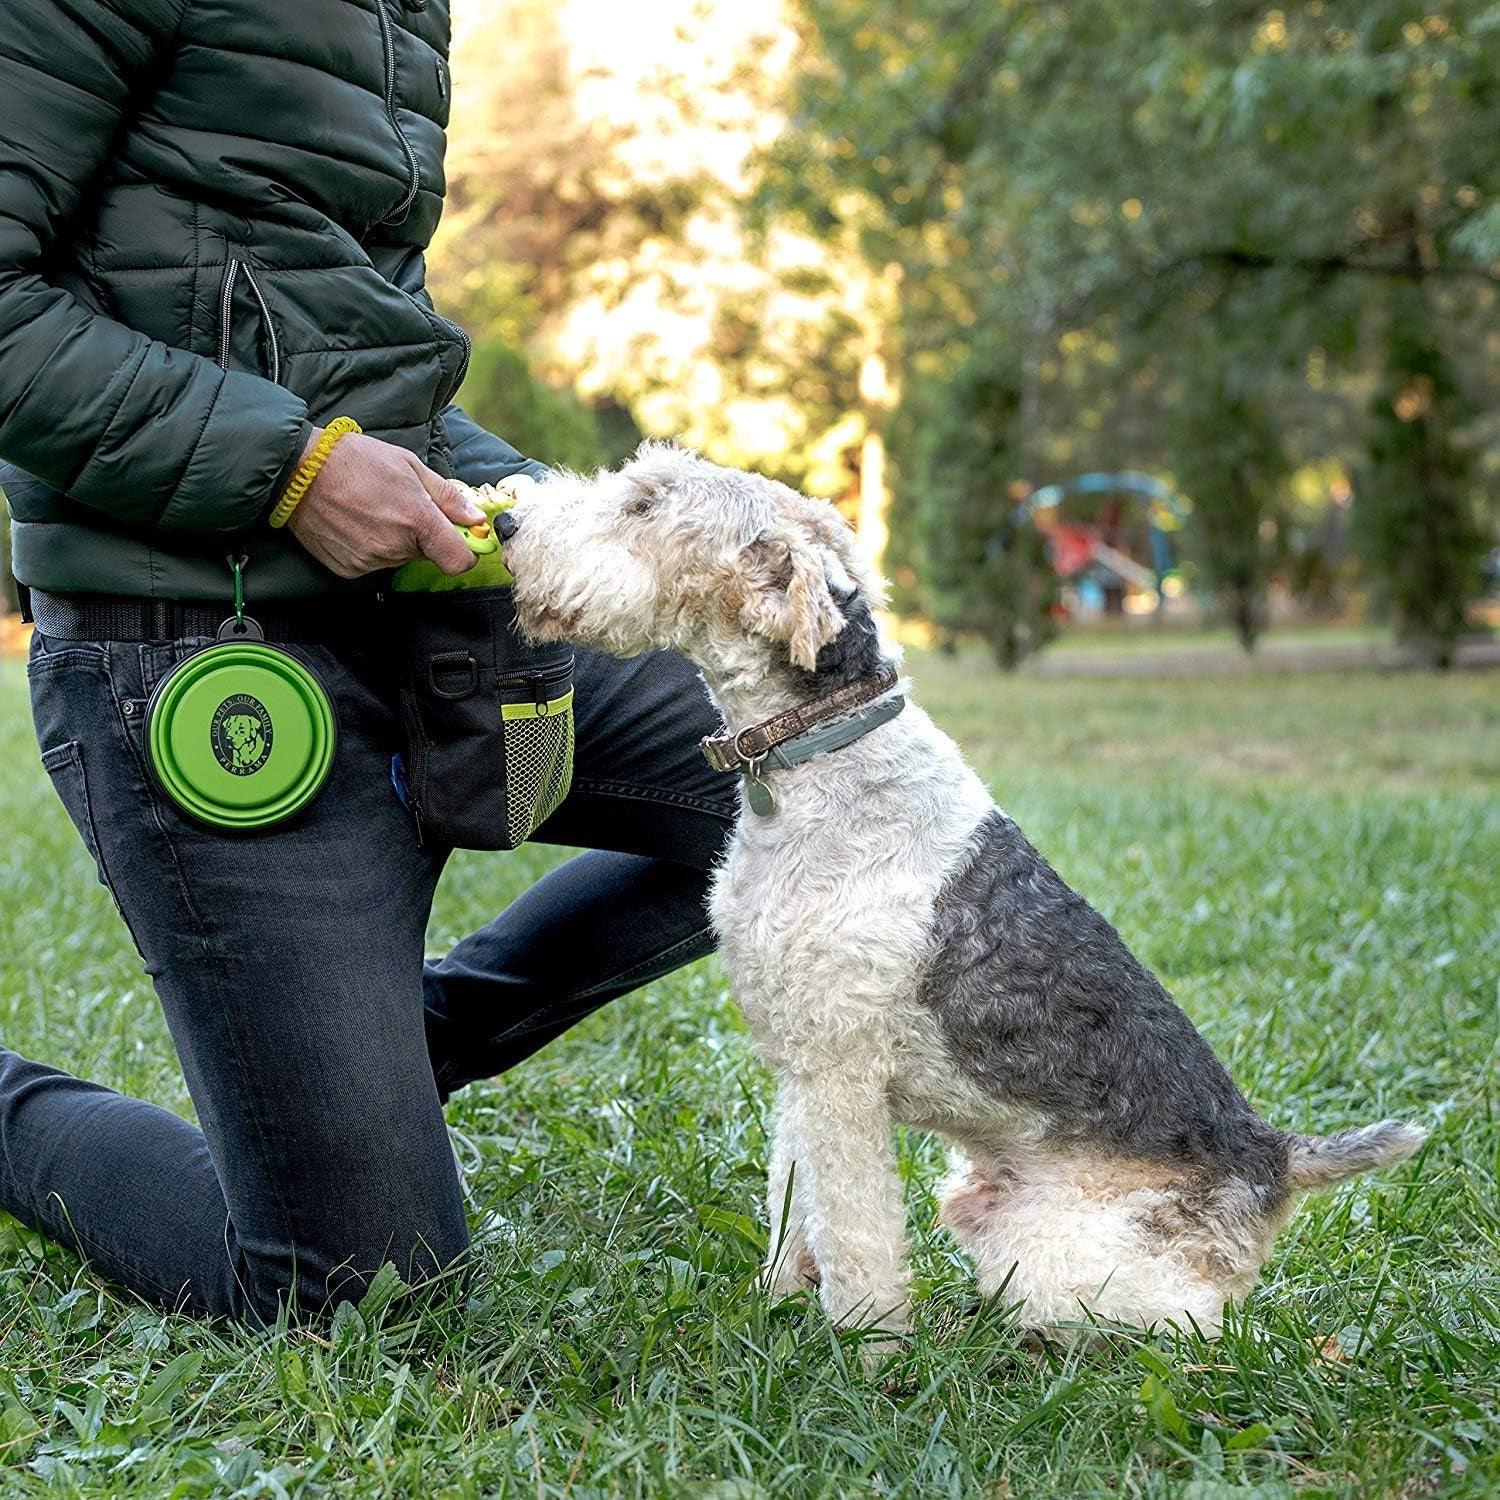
<point x="1270" y="657"/>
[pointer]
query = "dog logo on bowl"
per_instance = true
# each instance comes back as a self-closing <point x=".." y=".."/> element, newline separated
<point x="241" y="734"/>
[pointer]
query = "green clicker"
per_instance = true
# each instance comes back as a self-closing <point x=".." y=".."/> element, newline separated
<point x="241" y="734"/>
<point x="489" y="571"/>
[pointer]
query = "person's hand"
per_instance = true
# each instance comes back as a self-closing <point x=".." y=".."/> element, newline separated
<point x="375" y="506"/>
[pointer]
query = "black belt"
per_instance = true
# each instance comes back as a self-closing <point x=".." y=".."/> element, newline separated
<point x="110" y="617"/>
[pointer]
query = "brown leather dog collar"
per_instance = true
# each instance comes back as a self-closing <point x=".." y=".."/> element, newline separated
<point x="740" y="752"/>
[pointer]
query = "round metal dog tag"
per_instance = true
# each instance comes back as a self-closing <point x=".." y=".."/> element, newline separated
<point x="240" y="735"/>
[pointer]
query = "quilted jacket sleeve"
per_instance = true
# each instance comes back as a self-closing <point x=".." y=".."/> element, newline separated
<point x="152" y="435"/>
<point x="479" y="457"/>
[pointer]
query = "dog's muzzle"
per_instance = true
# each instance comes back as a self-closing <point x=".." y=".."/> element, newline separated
<point x="507" y="525"/>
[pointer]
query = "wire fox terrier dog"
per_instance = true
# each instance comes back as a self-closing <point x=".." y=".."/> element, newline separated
<point x="902" y="953"/>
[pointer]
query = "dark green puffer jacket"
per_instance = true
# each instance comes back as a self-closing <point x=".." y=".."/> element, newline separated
<point x="212" y="219"/>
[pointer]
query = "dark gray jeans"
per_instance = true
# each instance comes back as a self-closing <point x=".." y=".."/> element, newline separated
<point x="317" y="1047"/>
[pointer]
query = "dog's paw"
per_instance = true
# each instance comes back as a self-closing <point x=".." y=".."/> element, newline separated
<point x="881" y="1322"/>
<point x="793" y="1271"/>
<point x="879" y="1343"/>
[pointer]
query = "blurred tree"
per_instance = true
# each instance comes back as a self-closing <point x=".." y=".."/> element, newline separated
<point x="1228" y="458"/>
<point x="987" y="569"/>
<point x="1102" y="187"/>
<point x="501" y="393"/>
<point x="1414" y="513"/>
<point x="599" y="163"/>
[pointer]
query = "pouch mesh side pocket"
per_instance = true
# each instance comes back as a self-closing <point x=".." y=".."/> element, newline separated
<point x="538" y="762"/>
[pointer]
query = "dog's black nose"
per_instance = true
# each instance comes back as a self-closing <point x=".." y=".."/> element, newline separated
<point x="507" y="525"/>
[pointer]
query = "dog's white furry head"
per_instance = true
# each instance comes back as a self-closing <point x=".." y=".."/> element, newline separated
<point x="675" y="551"/>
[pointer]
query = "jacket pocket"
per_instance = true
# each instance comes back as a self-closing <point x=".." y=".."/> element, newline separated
<point x="488" y="720"/>
<point x="267" y="360"/>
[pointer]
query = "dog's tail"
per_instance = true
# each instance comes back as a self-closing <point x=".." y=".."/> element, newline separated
<point x="1319" y="1161"/>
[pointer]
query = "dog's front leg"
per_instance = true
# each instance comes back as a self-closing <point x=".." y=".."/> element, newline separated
<point x="846" y="1164"/>
<point x="789" y="1261"/>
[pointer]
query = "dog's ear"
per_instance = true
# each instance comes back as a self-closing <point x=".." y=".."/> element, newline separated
<point x="787" y="595"/>
<point x="647" y="489"/>
<point x="657" y="469"/>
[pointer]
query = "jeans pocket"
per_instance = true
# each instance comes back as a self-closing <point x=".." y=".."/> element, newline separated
<point x="488" y="720"/>
<point x="87" y="752"/>
<point x="64" y="764"/>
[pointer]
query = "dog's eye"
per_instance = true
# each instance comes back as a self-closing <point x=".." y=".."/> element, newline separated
<point x="642" y="505"/>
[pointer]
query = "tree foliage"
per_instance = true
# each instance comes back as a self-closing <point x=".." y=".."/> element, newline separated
<point x="1417" y="526"/>
<point x="501" y="393"/>
<point x="1188" y="223"/>
<point x="597" y="216"/>
<point x="1229" y="459"/>
<point x="986" y="564"/>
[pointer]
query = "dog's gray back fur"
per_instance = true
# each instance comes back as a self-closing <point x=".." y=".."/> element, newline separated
<point x="1042" y="1004"/>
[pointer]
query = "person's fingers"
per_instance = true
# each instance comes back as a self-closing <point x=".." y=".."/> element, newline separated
<point x="456" y="501"/>
<point x="440" y="542"/>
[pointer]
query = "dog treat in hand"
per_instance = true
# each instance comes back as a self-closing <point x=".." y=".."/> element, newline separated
<point x="422" y="576"/>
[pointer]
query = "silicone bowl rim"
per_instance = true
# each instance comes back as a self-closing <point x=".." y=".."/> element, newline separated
<point x="292" y="801"/>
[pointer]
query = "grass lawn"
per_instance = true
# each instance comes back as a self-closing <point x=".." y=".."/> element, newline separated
<point x="1313" y="866"/>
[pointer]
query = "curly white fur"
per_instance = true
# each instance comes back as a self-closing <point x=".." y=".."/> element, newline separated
<point x="825" y="911"/>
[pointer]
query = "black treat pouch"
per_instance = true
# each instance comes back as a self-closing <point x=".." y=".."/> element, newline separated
<point x="488" y="719"/>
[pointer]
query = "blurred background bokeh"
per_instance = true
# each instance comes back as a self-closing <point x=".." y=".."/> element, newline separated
<point x="1091" y="315"/>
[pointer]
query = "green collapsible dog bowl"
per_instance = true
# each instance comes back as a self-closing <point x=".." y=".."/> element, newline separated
<point x="241" y="735"/>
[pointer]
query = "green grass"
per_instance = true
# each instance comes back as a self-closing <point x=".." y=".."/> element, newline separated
<point x="1313" y="866"/>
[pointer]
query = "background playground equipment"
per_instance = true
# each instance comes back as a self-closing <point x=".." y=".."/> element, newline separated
<point x="1121" y="555"/>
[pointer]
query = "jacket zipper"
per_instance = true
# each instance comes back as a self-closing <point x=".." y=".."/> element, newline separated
<point x="226" y="309"/>
<point x="267" y="322"/>
<point x="468" y="343"/>
<point x="414" y="171"/>
<point x="232" y="272"/>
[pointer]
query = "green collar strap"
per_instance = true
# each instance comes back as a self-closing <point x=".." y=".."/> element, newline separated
<point x="728" y="753"/>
